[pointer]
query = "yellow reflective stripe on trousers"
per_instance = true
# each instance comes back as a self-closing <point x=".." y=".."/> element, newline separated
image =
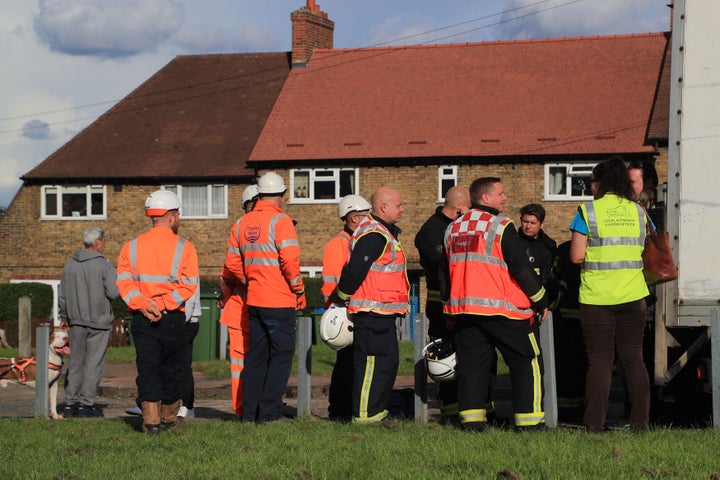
<point x="537" y="376"/>
<point x="366" y="384"/>
<point x="473" y="415"/>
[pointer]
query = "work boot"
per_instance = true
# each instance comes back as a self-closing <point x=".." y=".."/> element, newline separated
<point x="168" y="415"/>
<point x="151" y="417"/>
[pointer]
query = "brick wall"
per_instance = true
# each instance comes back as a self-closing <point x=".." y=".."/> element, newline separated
<point x="30" y="246"/>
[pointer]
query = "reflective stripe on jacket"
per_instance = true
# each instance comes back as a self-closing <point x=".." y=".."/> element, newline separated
<point x="270" y="255"/>
<point x="480" y="283"/>
<point x="158" y="265"/>
<point x="386" y="288"/>
<point x="612" y="272"/>
<point x="335" y="257"/>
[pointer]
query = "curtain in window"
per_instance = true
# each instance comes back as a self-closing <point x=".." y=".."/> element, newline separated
<point x="194" y="200"/>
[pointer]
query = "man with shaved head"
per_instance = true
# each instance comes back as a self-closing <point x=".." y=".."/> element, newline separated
<point x="429" y="243"/>
<point x="375" y="288"/>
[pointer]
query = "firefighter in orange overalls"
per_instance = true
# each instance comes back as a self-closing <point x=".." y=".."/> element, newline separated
<point x="269" y="263"/>
<point x="352" y="209"/>
<point x="233" y="302"/>
<point x="157" y="273"/>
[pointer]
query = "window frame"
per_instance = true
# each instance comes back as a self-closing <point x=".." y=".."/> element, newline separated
<point x="314" y="177"/>
<point x="209" y="189"/>
<point x="61" y="190"/>
<point x="573" y="170"/>
<point x="443" y="176"/>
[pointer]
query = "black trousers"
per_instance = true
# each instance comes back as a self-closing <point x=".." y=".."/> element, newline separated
<point x="160" y="356"/>
<point x="376" y="360"/>
<point x="341" y="385"/>
<point x="476" y="338"/>
<point x="188" y="396"/>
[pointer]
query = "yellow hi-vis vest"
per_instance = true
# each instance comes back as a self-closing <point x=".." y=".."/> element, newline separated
<point x="613" y="270"/>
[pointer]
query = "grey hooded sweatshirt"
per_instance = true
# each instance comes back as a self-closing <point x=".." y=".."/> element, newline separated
<point x="86" y="289"/>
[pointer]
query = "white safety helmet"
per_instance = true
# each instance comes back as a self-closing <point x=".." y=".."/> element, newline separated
<point x="250" y="193"/>
<point x="160" y="202"/>
<point x="336" y="329"/>
<point x="352" y="203"/>
<point x="440" y="359"/>
<point x="271" y="184"/>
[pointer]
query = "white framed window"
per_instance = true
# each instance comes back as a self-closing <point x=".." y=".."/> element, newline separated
<point x="568" y="181"/>
<point x="201" y="201"/>
<point x="447" y="178"/>
<point x="322" y="185"/>
<point x="73" y="202"/>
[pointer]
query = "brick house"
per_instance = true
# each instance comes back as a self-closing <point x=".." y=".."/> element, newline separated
<point x="536" y="113"/>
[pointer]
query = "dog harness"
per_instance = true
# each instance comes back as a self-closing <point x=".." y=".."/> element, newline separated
<point x="18" y="367"/>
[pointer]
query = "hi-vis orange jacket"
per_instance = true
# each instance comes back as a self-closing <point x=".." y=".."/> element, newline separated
<point x="335" y="257"/>
<point x="235" y="311"/>
<point x="480" y="283"/>
<point x="386" y="288"/>
<point x="269" y="257"/>
<point x="158" y="265"/>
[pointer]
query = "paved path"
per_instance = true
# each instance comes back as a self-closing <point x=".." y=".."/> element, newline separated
<point x="212" y="397"/>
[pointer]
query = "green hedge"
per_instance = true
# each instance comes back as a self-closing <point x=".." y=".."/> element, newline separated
<point x="40" y="295"/>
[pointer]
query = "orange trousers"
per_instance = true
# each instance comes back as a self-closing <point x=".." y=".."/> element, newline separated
<point x="239" y="342"/>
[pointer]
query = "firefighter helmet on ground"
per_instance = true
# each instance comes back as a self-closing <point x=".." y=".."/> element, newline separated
<point x="352" y="203"/>
<point x="250" y="193"/>
<point x="160" y="202"/>
<point x="440" y="359"/>
<point x="336" y="329"/>
<point x="271" y="184"/>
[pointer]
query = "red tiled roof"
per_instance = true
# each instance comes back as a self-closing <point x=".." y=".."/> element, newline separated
<point x="197" y="117"/>
<point x="586" y="95"/>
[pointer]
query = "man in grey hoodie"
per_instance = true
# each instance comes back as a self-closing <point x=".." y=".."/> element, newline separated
<point x="86" y="289"/>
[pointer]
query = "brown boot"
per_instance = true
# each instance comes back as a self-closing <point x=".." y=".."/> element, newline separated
<point x="151" y="417"/>
<point x="168" y="415"/>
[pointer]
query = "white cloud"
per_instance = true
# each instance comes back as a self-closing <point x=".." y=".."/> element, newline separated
<point x="115" y="28"/>
<point x="561" y="18"/>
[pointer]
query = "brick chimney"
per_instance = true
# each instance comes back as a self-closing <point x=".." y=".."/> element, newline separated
<point x="311" y="29"/>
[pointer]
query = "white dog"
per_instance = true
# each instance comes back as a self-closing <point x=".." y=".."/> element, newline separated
<point x="23" y="371"/>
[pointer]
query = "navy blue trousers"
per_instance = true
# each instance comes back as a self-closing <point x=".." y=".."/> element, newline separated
<point x="268" y="362"/>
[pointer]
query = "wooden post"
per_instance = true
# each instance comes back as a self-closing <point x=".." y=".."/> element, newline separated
<point x="42" y="371"/>
<point x="547" y="346"/>
<point x="421" y="397"/>
<point x="24" y="327"/>
<point x="304" y="366"/>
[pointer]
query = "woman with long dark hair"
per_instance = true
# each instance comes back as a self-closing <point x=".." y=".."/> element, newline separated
<point x="608" y="237"/>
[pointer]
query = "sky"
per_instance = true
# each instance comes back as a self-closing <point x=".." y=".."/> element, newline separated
<point x="63" y="63"/>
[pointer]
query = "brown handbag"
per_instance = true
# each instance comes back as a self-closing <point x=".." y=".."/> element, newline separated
<point x="658" y="263"/>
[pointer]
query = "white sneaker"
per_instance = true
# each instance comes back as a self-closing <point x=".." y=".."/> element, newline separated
<point x="134" y="410"/>
<point x="186" y="412"/>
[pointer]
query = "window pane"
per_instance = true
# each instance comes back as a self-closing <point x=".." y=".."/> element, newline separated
<point x="218" y="200"/>
<point x="301" y="180"/>
<point x="324" y="190"/>
<point x="51" y="201"/>
<point x="194" y="200"/>
<point x="447" y="184"/>
<point x="96" y="203"/>
<point x="557" y="179"/>
<point x="581" y="186"/>
<point x="74" y="202"/>
<point x="324" y="173"/>
<point x="347" y="182"/>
